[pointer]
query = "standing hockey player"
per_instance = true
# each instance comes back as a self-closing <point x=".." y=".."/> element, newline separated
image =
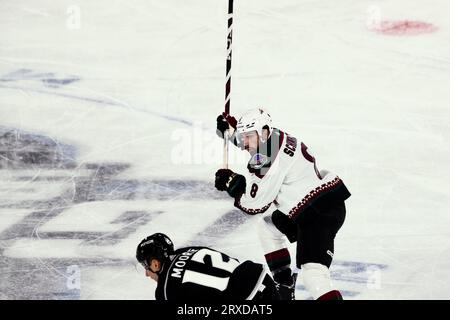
<point x="201" y="273"/>
<point x="306" y="205"/>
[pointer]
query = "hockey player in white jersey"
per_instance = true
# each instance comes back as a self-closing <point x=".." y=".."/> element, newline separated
<point x="295" y="200"/>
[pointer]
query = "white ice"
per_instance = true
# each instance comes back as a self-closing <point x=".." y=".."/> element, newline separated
<point x="150" y="83"/>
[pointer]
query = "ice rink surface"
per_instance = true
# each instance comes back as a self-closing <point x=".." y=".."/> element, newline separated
<point x="107" y="134"/>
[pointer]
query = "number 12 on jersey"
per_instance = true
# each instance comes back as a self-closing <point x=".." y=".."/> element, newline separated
<point x="212" y="259"/>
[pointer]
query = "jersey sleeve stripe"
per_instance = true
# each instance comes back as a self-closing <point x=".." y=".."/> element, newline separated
<point x="167" y="277"/>
<point x="237" y="204"/>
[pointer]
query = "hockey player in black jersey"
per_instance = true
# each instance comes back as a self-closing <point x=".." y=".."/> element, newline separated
<point x="201" y="273"/>
<point x="294" y="199"/>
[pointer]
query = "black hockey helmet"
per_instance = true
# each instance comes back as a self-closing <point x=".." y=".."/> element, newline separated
<point x="157" y="246"/>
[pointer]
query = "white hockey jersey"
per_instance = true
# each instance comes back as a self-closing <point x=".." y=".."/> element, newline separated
<point x="290" y="179"/>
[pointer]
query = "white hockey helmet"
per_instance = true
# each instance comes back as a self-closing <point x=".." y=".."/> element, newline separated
<point x="254" y="120"/>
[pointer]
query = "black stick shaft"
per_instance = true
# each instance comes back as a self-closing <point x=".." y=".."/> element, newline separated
<point x="229" y="42"/>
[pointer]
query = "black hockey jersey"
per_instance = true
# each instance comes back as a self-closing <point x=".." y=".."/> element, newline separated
<point x="205" y="274"/>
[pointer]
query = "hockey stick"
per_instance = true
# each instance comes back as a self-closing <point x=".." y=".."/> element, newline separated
<point x="228" y="81"/>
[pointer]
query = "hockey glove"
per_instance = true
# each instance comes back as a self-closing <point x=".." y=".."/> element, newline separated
<point x="225" y="122"/>
<point x="233" y="183"/>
